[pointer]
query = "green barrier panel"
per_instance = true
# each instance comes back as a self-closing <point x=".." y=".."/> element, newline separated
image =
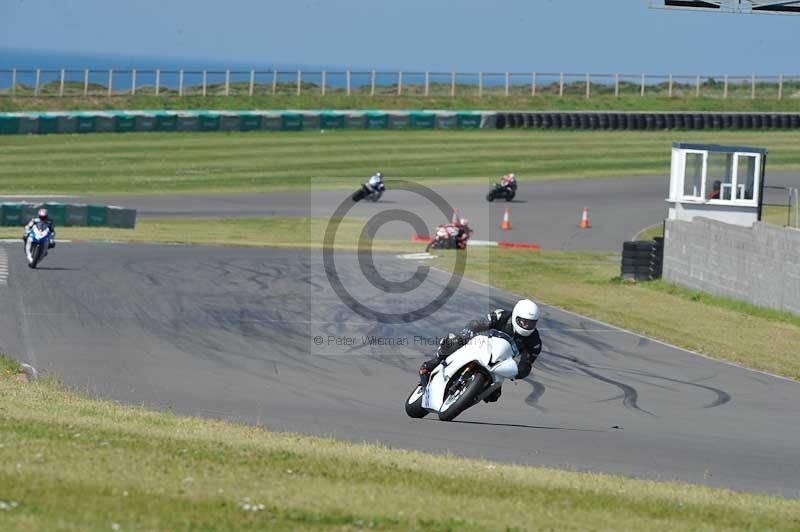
<point x="104" y="123"/>
<point x="67" y="123"/>
<point x="354" y="120"/>
<point x="11" y="214"/>
<point x="376" y="121"/>
<point x="144" y="122"/>
<point x="48" y="124"/>
<point x="468" y="120"/>
<point x="57" y="212"/>
<point x="208" y="122"/>
<point x="446" y="121"/>
<point x="28" y="125"/>
<point x="331" y="121"/>
<point x="9" y="125"/>
<point x="85" y="123"/>
<point x="230" y="122"/>
<point x="120" y="217"/>
<point x="311" y="121"/>
<point x="398" y="121"/>
<point x="124" y="123"/>
<point x="96" y="215"/>
<point x="187" y="122"/>
<point x="28" y="212"/>
<point x="271" y="121"/>
<point x="76" y="215"/>
<point x="166" y="122"/>
<point x="291" y="122"/>
<point x="249" y="121"/>
<point x="422" y="120"/>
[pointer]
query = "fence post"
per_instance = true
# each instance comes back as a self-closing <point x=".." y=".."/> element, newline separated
<point x="480" y="84"/>
<point x="561" y="85"/>
<point x="400" y="83"/>
<point x="61" y="85"/>
<point x="780" y="87"/>
<point x="796" y="207"/>
<point x="299" y="81"/>
<point x="347" y="78"/>
<point x="253" y="82"/>
<point x="588" y="85"/>
<point x="274" y="82"/>
<point x="372" y="84"/>
<point x="110" y="81"/>
<point x="36" y="87"/>
<point x="205" y="82"/>
<point x="453" y="85"/>
<point x="725" y="88"/>
<point x="533" y="84"/>
<point x="753" y="87"/>
<point x="133" y="82"/>
<point x="616" y="85"/>
<point x="427" y="83"/>
<point x="670" y="86"/>
<point x="180" y="83"/>
<point x="227" y="82"/>
<point x="697" y="88"/>
<point x="86" y="82"/>
<point x="324" y="81"/>
<point x="642" y="94"/>
<point x="13" y="82"/>
<point x="158" y="80"/>
<point x="507" y="83"/>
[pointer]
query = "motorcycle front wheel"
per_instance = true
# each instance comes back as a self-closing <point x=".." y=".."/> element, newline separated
<point x="414" y="404"/>
<point x="37" y="252"/>
<point x="490" y="196"/>
<point x="510" y="195"/>
<point x="462" y="394"/>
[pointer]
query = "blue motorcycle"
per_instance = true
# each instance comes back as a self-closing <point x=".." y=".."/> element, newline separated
<point x="37" y="241"/>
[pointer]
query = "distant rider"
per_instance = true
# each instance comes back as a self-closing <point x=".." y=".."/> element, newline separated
<point x="457" y="232"/>
<point x="375" y="182"/>
<point x="509" y="182"/>
<point x="519" y="323"/>
<point x="41" y="217"/>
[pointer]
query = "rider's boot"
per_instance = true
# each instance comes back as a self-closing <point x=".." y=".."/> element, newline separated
<point x="425" y="371"/>
<point x="494" y="396"/>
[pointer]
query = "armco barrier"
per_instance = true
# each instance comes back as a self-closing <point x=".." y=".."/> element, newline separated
<point x="125" y="121"/>
<point x="75" y="215"/>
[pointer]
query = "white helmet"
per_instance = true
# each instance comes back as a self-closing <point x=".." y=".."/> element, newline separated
<point x="524" y="317"/>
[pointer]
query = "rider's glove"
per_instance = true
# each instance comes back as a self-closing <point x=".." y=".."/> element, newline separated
<point x="51" y="244"/>
<point x="467" y="334"/>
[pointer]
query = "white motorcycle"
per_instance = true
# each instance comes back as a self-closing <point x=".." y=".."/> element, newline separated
<point x="469" y="375"/>
<point x="37" y="240"/>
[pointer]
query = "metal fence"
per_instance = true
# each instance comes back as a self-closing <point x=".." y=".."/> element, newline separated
<point x="784" y="197"/>
<point x="216" y="82"/>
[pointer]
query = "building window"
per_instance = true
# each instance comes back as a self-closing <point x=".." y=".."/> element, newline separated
<point x="745" y="176"/>
<point x="693" y="176"/>
<point x="719" y="176"/>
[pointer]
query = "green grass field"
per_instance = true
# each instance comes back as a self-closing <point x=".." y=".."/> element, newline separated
<point x="519" y="99"/>
<point x="68" y="462"/>
<point x="157" y="163"/>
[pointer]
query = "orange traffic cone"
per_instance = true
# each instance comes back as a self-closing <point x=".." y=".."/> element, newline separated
<point x="505" y="225"/>
<point x="585" y="219"/>
<point x="455" y="219"/>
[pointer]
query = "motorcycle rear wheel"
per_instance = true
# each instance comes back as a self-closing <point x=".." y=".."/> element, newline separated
<point x="462" y="395"/>
<point x="414" y="404"/>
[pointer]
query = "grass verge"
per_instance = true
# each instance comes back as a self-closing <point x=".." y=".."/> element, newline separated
<point x="573" y="100"/>
<point x="240" y="232"/>
<point x="68" y="462"/>
<point x="157" y="163"/>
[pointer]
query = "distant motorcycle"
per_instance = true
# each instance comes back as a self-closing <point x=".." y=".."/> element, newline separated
<point x="500" y="191"/>
<point x="370" y="193"/>
<point x="474" y="372"/>
<point x="449" y="236"/>
<point x="37" y="241"/>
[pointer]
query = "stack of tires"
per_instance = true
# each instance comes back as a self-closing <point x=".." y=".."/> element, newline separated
<point x="642" y="260"/>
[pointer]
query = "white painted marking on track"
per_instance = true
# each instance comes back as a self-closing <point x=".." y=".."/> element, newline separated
<point x="416" y="256"/>
<point x="3" y="267"/>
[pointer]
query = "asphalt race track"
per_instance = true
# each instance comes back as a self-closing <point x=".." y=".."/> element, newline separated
<point x="230" y="333"/>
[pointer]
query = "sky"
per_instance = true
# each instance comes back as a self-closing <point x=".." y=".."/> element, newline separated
<point x="464" y="35"/>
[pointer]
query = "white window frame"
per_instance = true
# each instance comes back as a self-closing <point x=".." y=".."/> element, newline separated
<point x="693" y="199"/>
<point x="734" y="184"/>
